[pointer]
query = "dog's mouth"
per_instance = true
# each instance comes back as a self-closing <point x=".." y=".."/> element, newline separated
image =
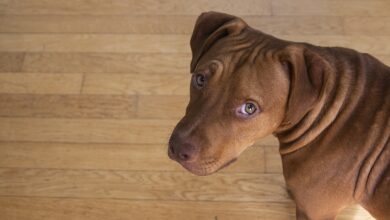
<point x="204" y="168"/>
<point x="227" y="164"/>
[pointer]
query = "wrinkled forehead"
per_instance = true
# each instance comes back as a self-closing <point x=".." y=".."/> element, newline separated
<point x="238" y="79"/>
<point x="227" y="49"/>
<point x="214" y="59"/>
<point x="234" y="64"/>
<point x="239" y="75"/>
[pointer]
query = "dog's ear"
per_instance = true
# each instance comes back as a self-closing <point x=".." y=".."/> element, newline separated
<point x="210" y="27"/>
<point x="306" y="69"/>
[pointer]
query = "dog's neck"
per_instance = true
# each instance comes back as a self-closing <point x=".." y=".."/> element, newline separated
<point x="337" y="88"/>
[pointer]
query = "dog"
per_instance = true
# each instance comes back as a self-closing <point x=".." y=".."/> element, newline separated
<point x="329" y="107"/>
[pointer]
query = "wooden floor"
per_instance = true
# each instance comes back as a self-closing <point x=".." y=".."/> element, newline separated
<point x="91" y="89"/>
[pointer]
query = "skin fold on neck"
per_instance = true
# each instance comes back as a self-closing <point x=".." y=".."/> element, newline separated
<point x="338" y="87"/>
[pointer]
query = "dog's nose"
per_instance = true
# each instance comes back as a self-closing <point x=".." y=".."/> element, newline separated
<point x="184" y="152"/>
<point x="187" y="152"/>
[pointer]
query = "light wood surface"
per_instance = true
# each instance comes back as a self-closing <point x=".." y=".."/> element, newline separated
<point x="40" y="83"/>
<point x="91" y="89"/>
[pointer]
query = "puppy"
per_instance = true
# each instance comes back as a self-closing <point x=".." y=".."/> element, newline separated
<point x="329" y="108"/>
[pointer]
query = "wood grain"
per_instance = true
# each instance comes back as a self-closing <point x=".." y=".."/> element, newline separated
<point x="384" y="58"/>
<point x="40" y="83"/>
<point x="156" y="24"/>
<point x="297" y="25"/>
<point x="107" y="63"/>
<point x="143" y="84"/>
<point x="240" y="187"/>
<point x="121" y="43"/>
<point x="81" y="209"/>
<point x="90" y="91"/>
<point x="11" y="62"/>
<point x="86" y="130"/>
<point x="3" y="5"/>
<point x="134" y="131"/>
<point x="94" y="43"/>
<point x="161" y="106"/>
<point x="134" y="7"/>
<point x="362" y="25"/>
<point x="15" y="208"/>
<point x="367" y="44"/>
<point x="331" y="7"/>
<point x="130" y="157"/>
<point x="67" y="106"/>
<point x="94" y="24"/>
<point x="273" y="162"/>
<point x="268" y="140"/>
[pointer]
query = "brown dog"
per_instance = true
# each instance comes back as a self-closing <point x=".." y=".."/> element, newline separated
<point x="329" y="108"/>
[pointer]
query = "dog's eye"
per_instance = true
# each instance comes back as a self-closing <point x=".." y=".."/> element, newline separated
<point x="199" y="80"/>
<point x="247" y="109"/>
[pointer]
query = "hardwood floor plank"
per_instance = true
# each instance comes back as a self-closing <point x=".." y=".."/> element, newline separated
<point x="250" y="161"/>
<point x="161" y="106"/>
<point x="134" y="7"/>
<point x="355" y="212"/>
<point x="368" y="44"/>
<point x="83" y="209"/>
<point x="297" y="25"/>
<point x="107" y="63"/>
<point x="273" y="161"/>
<point x="86" y="130"/>
<point x="3" y="5"/>
<point x="268" y="140"/>
<point x="40" y="83"/>
<point x="384" y="58"/>
<point x="161" y="43"/>
<point x="111" y="63"/>
<point x="11" y="62"/>
<point x="142" y="185"/>
<point x="113" y="24"/>
<point x="132" y="131"/>
<point x="363" y="25"/>
<point x="331" y="7"/>
<point x="13" y="208"/>
<point x="67" y="106"/>
<point x="94" y="43"/>
<point x="132" y="157"/>
<point x="143" y="84"/>
<point x="156" y="24"/>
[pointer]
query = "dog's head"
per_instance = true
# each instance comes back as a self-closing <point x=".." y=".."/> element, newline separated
<point x="241" y="86"/>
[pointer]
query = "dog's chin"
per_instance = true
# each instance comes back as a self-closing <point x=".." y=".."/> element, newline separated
<point x="199" y="170"/>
